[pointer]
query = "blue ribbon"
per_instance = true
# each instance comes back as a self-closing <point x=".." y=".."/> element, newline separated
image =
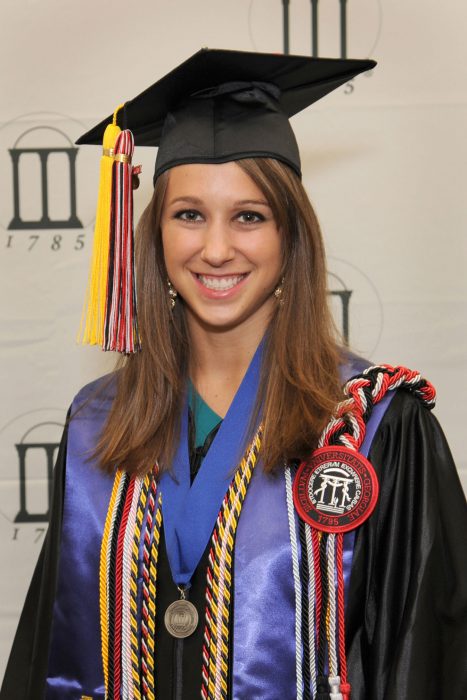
<point x="190" y="512"/>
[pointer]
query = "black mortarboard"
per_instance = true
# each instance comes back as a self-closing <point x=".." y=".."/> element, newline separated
<point x="226" y="105"/>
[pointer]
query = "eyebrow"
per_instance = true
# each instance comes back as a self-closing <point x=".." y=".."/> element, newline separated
<point x="190" y="200"/>
<point x="238" y="203"/>
<point x="244" y="202"/>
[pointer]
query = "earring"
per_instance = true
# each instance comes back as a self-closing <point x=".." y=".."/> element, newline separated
<point x="278" y="291"/>
<point x="172" y="294"/>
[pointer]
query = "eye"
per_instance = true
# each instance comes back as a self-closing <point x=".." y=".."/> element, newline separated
<point x="190" y="215"/>
<point x="250" y="217"/>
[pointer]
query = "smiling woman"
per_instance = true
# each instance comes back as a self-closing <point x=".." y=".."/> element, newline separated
<point x="223" y="255"/>
<point x="229" y="522"/>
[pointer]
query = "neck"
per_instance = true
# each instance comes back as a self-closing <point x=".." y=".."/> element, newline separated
<point x="219" y="361"/>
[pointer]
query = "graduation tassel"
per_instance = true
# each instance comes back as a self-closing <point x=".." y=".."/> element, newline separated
<point x="109" y="315"/>
<point x="121" y="325"/>
<point x="91" y="330"/>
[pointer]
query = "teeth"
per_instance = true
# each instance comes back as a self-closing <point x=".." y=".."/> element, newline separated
<point x="220" y="283"/>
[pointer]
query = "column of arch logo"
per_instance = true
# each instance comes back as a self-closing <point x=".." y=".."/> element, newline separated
<point x="29" y="446"/>
<point x="356" y="305"/>
<point x="330" y="28"/>
<point x="46" y="182"/>
<point x="44" y="153"/>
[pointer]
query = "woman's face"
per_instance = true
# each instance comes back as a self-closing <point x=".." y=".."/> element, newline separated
<point x="222" y="247"/>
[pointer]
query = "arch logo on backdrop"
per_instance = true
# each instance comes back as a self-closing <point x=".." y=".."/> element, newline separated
<point x="48" y="185"/>
<point x="335" y="28"/>
<point x="28" y="451"/>
<point x="356" y="306"/>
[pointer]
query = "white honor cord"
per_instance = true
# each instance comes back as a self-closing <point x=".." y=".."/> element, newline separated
<point x="297" y="583"/>
<point x="332" y="605"/>
<point x="311" y="607"/>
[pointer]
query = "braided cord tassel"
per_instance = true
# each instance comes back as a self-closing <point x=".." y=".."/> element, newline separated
<point x="297" y="584"/>
<point x="219" y="580"/>
<point x="114" y="600"/>
<point x="311" y="607"/>
<point x="127" y="636"/>
<point x="331" y="621"/>
<point x="322" y="684"/>
<point x="348" y="425"/>
<point x="344" y="685"/>
<point x="119" y="600"/>
<point x="134" y="621"/>
<point x="153" y="569"/>
<point x="331" y="613"/>
<point x="127" y="685"/>
<point x="306" y="628"/>
<point x="103" y="573"/>
<point x="151" y="540"/>
<point x="147" y="669"/>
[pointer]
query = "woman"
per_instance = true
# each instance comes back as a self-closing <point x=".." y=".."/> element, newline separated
<point x="195" y="576"/>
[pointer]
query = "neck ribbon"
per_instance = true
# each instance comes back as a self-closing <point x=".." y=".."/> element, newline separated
<point x="190" y="512"/>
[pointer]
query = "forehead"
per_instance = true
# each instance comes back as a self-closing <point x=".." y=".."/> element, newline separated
<point x="208" y="181"/>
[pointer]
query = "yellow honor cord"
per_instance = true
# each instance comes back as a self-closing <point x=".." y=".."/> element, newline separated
<point x="103" y="601"/>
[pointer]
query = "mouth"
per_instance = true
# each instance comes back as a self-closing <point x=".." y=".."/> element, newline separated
<point x="220" y="284"/>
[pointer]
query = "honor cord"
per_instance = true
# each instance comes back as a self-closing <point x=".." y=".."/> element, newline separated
<point x="297" y="584"/>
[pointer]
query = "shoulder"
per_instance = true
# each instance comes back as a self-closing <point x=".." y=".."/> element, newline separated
<point x="412" y="457"/>
<point x="406" y="419"/>
<point x="87" y="418"/>
<point x="104" y="386"/>
<point x="407" y="397"/>
<point x="403" y="432"/>
<point x="98" y="396"/>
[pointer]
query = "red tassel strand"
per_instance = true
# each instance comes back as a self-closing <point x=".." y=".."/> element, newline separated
<point x="341" y="610"/>
<point x="121" y="325"/>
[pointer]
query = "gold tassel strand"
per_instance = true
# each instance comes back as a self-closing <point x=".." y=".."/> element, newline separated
<point x="91" y="330"/>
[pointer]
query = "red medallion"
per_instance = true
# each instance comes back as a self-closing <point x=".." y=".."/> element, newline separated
<point x="336" y="490"/>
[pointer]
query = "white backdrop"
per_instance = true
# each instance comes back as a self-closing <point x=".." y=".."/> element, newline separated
<point x="384" y="162"/>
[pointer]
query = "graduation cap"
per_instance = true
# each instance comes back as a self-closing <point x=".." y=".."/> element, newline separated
<point x="216" y="107"/>
<point x="224" y="105"/>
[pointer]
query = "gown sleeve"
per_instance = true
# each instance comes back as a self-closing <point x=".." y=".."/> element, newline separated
<point x="407" y="610"/>
<point x="26" y="670"/>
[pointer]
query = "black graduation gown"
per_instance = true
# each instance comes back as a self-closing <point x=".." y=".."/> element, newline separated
<point x="407" y="608"/>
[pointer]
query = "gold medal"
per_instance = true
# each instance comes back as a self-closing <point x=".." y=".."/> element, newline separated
<point x="181" y="619"/>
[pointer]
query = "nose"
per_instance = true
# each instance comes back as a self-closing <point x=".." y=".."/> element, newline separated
<point x="217" y="244"/>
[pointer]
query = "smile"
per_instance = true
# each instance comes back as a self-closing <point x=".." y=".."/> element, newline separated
<point x="220" y="284"/>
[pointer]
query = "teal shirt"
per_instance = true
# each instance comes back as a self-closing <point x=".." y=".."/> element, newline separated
<point x="205" y="419"/>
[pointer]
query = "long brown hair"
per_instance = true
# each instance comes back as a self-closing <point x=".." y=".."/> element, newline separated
<point x="300" y="381"/>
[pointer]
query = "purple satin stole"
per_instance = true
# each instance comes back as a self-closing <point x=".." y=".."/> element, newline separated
<point x="263" y="628"/>
<point x="75" y="666"/>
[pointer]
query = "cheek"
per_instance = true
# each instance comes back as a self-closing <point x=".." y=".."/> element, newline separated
<point x="166" y="248"/>
<point x="171" y="243"/>
<point x="171" y="251"/>
<point x="272" y="252"/>
<point x="179" y="247"/>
